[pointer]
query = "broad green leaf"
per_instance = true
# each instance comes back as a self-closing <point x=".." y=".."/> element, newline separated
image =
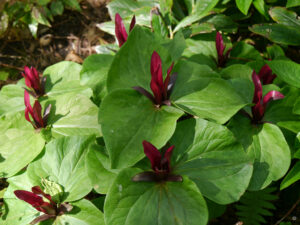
<point x="22" y="213"/>
<point x="261" y="7"/>
<point x="243" y="5"/>
<point x="72" y="114"/>
<point x="286" y="17"/>
<point x="291" y="177"/>
<point x="222" y="22"/>
<point x="281" y="111"/>
<point x="209" y="154"/>
<point x="150" y="203"/>
<point x="278" y="33"/>
<point x="19" y="144"/>
<point x="292" y="3"/>
<point x="267" y="147"/>
<point x="94" y="74"/>
<point x="214" y="99"/>
<point x="131" y="65"/>
<point x="128" y="118"/>
<point x="97" y="165"/>
<point x="11" y="99"/>
<point x="237" y="71"/>
<point x="243" y="53"/>
<point x="202" y="49"/>
<point x="275" y="51"/>
<point x="64" y="163"/>
<point x="201" y="9"/>
<point x="64" y="77"/>
<point x="288" y="71"/>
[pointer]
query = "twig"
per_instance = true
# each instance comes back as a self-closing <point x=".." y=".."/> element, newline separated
<point x="11" y="56"/>
<point x="12" y="67"/>
<point x="288" y="212"/>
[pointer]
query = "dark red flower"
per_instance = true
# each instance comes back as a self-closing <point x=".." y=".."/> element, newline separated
<point x="39" y="121"/>
<point x="266" y="75"/>
<point x="34" y="82"/>
<point x="120" y="30"/>
<point x="161" y="89"/>
<point x="220" y="46"/>
<point x="161" y="165"/>
<point x="42" y="202"/>
<point x="260" y="102"/>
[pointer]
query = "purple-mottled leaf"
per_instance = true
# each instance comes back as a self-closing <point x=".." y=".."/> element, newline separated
<point x="120" y="30"/>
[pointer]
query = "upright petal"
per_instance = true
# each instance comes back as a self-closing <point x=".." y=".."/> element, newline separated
<point x="28" y="77"/>
<point x="257" y="88"/>
<point x="132" y="23"/>
<point x="156" y="70"/>
<point x="120" y="30"/>
<point x="166" y="162"/>
<point x="266" y="75"/>
<point x="272" y="95"/>
<point x="37" y="114"/>
<point x="153" y="155"/>
<point x="220" y="44"/>
<point x="27" y="102"/>
<point x="167" y="80"/>
<point x="258" y="112"/>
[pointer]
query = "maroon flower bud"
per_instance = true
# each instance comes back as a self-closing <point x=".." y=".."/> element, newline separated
<point x="34" y="82"/>
<point x="260" y="102"/>
<point x="266" y="75"/>
<point x="35" y="112"/>
<point x="42" y="202"/>
<point x="161" y="165"/>
<point x="161" y="89"/>
<point x="220" y="46"/>
<point x="120" y="30"/>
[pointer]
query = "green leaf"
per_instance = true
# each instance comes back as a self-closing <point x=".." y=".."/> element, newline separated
<point x="128" y="118"/>
<point x="73" y="4"/>
<point x="19" y="144"/>
<point x="278" y="33"/>
<point x="267" y="147"/>
<point x="209" y="154"/>
<point x="222" y="22"/>
<point x="11" y="99"/>
<point x="22" y="213"/>
<point x="287" y="71"/>
<point x="243" y="5"/>
<point x="291" y="177"/>
<point x="292" y="3"/>
<point x="64" y="77"/>
<point x="214" y="99"/>
<point x="237" y="71"/>
<point x="57" y="8"/>
<point x="97" y="165"/>
<point x="72" y="115"/>
<point x="261" y="7"/>
<point x="243" y="53"/>
<point x="151" y="203"/>
<point x="131" y="65"/>
<point x="94" y="74"/>
<point x="201" y="9"/>
<point x="286" y="17"/>
<point x="64" y="163"/>
<point x="39" y="15"/>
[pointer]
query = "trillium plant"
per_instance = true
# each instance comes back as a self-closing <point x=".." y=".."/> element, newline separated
<point x="167" y="125"/>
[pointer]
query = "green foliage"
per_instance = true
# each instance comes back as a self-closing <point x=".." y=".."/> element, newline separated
<point x="32" y="13"/>
<point x="254" y="206"/>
